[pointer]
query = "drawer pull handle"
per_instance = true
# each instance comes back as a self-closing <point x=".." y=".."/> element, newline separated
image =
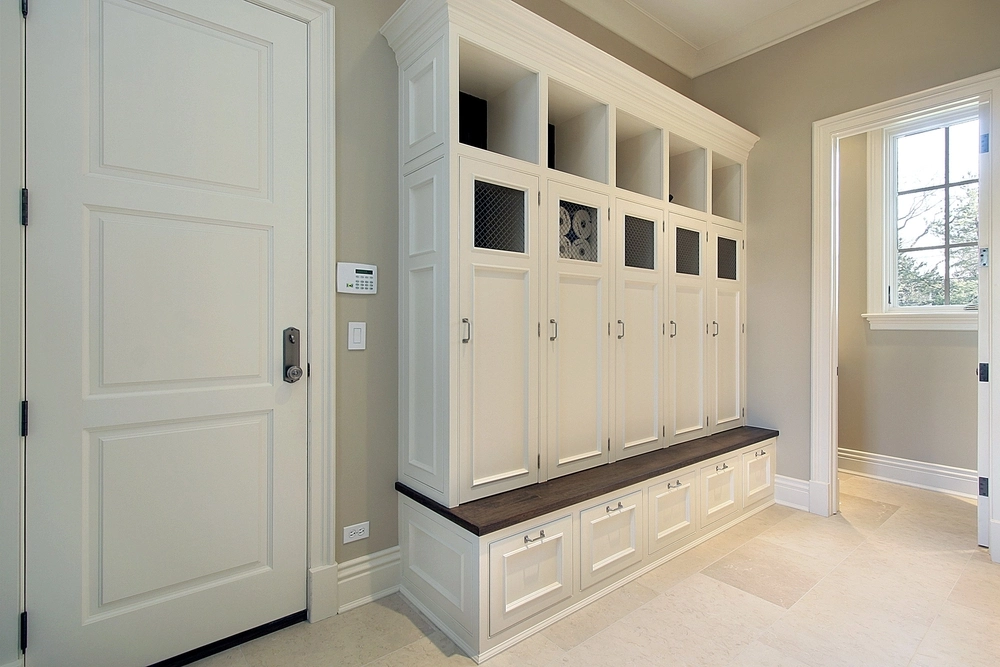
<point x="468" y="330"/>
<point x="760" y="453"/>
<point x="622" y="325"/>
<point x="556" y="333"/>
<point x="541" y="536"/>
<point x="675" y="485"/>
<point x="611" y="509"/>
<point x="721" y="468"/>
<point x="673" y="329"/>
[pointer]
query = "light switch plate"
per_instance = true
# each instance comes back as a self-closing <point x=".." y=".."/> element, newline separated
<point x="357" y="335"/>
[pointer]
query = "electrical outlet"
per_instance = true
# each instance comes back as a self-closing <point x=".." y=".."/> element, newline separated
<point x="358" y="531"/>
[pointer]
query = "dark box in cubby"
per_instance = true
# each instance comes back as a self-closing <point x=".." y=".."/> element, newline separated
<point x="472" y="120"/>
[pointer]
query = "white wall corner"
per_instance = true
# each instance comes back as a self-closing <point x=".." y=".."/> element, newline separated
<point x="791" y="492"/>
<point x="321" y="591"/>
<point x="819" y="498"/>
<point x="932" y="476"/>
<point x="368" y="578"/>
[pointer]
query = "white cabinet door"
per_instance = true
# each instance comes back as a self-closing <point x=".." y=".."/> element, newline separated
<point x="673" y="514"/>
<point x="639" y="329"/>
<point x="530" y="572"/>
<point x="610" y="538"/>
<point x="166" y="487"/>
<point x="758" y="474"/>
<point x="726" y="309"/>
<point x="720" y="490"/>
<point x="497" y="329"/>
<point x="687" y="301"/>
<point x="575" y="329"/>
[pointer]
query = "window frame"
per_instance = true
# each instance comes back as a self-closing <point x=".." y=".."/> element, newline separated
<point x="882" y="240"/>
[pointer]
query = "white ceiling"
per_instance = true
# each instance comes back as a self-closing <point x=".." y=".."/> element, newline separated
<point x="697" y="36"/>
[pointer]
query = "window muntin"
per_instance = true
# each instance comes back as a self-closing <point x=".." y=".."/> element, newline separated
<point x="934" y="212"/>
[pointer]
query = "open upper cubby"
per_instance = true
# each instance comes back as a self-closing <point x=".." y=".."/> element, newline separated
<point x="498" y="103"/>
<point x="639" y="155"/>
<point x="578" y="133"/>
<point x="727" y="188"/>
<point x="687" y="184"/>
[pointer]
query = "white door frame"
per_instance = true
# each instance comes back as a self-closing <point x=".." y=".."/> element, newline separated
<point x="319" y="18"/>
<point x="823" y="495"/>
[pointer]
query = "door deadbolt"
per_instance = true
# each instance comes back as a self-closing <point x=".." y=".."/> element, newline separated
<point x="293" y="370"/>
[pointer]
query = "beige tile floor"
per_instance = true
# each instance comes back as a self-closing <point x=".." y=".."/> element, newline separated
<point x="895" y="579"/>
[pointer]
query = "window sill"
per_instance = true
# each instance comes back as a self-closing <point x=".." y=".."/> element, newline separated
<point x="954" y="321"/>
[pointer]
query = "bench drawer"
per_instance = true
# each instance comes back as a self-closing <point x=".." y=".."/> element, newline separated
<point x="672" y="510"/>
<point x="530" y="572"/>
<point x="758" y="474"/>
<point x="720" y="490"/>
<point x="610" y="538"/>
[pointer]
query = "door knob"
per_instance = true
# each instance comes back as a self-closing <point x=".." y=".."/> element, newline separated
<point x="293" y="369"/>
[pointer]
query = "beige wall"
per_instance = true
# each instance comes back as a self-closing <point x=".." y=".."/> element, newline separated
<point x="883" y="51"/>
<point x="909" y="394"/>
<point x="367" y="225"/>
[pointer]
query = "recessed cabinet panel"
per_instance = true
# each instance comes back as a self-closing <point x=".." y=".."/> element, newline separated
<point x="425" y="102"/>
<point x="686" y="330"/>
<point x="610" y="538"/>
<point x="726" y="344"/>
<point x="672" y="510"/>
<point x="758" y="474"/>
<point x="530" y="572"/>
<point x="498" y="340"/>
<point x="576" y="340"/>
<point x="638" y="330"/>
<point x="720" y="490"/>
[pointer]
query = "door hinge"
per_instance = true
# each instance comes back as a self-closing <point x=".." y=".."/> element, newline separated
<point x="24" y="8"/>
<point x="539" y="197"/>
<point x="609" y="444"/>
<point x="539" y="461"/>
<point x="24" y="631"/>
<point x="984" y="372"/>
<point x="984" y="143"/>
<point x="309" y="370"/>
<point x="24" y="207"/>
<point x="743" y="412"/>
<point x="984" y="487"/>
<point x="24" y="419"/>
<point x="888" y="293"/>
<point x="984" y="257"/>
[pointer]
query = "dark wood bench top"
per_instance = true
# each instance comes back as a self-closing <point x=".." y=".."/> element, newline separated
<point x="488" y="515"/>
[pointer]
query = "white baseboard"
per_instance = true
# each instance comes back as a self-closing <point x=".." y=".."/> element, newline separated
<point x="368" y="578"/>
<point x="791" y="492"/>
<point x="932" y="476"/>
<point x="819" y="498"/>
<point x="321" y="593"/>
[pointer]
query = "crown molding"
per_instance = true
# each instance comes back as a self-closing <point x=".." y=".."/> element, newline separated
<point x="653" y="36"/>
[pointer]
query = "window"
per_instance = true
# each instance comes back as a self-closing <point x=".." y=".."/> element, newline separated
<point x="924" y="222"/>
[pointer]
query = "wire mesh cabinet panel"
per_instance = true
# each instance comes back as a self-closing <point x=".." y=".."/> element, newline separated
<point x="578" y="409"/>
<point x="639" y="334"/>
<point x="726" y="307"/>
<point x="498" y="316"/>
<point x="686" y="329"/>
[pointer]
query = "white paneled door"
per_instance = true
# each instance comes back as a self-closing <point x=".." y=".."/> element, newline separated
<point x="166" y="253"/>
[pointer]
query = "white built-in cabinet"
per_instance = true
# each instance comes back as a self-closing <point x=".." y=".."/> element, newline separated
<point x="567" y="289"/>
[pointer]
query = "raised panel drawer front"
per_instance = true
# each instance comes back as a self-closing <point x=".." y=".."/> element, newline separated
<point x="758" y="473"/>
<point x="610" y="538"/>
<point x="720" y="493"/>
<point x="672" y="511"/>
<point x="530" y="572"/>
